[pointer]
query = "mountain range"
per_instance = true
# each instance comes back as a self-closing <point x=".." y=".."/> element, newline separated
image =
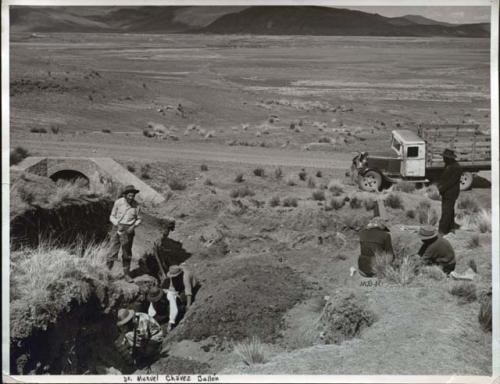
<point x="261" y="20"/>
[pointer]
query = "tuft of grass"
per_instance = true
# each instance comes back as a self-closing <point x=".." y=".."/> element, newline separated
<point x="310" y="182"/>
<point x="208" y="182"/>
<point x="250" y="351"/>
<point x="106" y="130"/>
<point x="148" y="132"/>
<point x="485" y="312"/>
<point x="18" y="154"/>
<point x="335" y="187"/>
<point x="130" y="168"/>
<point x="336" y="203"/>
<point x="274" y="201"/>
<point x="145" y="169"/>
<point x="302" y="174"/>
<point x="355" y="202"/>
<point x="318" y="195"/>
<point x="411" y="214"/>
<point x="404" y="186"/>
<point x="467" y="203"/>
<point x="290" y="202"/>
<point x="369" y="203"/>
<point x="432" y="192"/>
<point x="55" y="129"/>
<point x="483" y="221"/>
<point x="69" y="191"/>
<point x="176" y="184"/>
<point x="433" y="272"/>
<point x="259" y="172"/>
<point x="278" y="173"/>
<point x="473" y="241"/>
<point x="394" y="201"/>
<point x="204" y="167"/>
<point x="478" y="222"/>
<point x="426" y="214"/>
<point x="242" y="191"/>
<point x="38" y="130"/>
<point x="319" y="174"/>
<point x="465" y="291"/>
<point x="405" y="272"/>
<point x="239" y="178"/>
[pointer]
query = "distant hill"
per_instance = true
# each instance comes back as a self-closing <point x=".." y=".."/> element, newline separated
<point x="262" y="20"/>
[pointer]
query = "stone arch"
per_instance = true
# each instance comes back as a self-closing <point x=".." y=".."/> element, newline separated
<point x="69" y="175"/>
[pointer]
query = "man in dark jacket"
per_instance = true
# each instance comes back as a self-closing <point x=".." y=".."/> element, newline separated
<point x="449" y="189"/>
<point x="436" y="250"/>
<point x="375" y="241"/>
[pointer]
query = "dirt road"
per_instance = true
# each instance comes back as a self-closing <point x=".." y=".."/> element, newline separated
<point x="161" y="151"/>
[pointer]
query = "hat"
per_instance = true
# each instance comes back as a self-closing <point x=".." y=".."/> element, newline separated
<point x="129" y="188"/>
<point x="155" y="294"/>
<point x="427" y="232"/>
<point x="449" y="153"/>
<point x="377" y="222"/>
<point x="124" y="316"/>
<point x="174" y="271"/>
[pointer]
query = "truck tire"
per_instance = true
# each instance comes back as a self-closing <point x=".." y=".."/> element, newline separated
<point x="466" y="181"/>
<point x="371" y="181"/>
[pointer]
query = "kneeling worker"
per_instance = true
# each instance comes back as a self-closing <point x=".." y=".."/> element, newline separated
<point x="436" y="250"/>
<point x="143" y="336"/>
<point x="158" y="304"/>
<point x="180" y="284"/>
<point x="374" y="240"/>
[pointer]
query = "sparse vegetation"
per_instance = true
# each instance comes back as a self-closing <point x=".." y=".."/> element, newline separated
<point x="465" y="291"/>
<point x="335" y="187"/>
<point x="485" y="312"/>
<point x="17" y="155"/>
<point x="38" y="130"/>
<point x="106" y="130"/>
<point x="274" y="201"/>
<point x="336" y="203"/>
<point x="468" y="204"/>
<point x="278" y="173"/>
<point x="239" y="178"/>
<point x="259" y="172"/>
<point x="404" y="273"/>
<point x="310" y="182"/>
<point x="204" y="167"/>
<point x="290" y="202"/>
<point x="302" y="174"/>
<point x="291" y="180"/>
<point x="404" y="186"/>
<point x="426" y="214"/>
<point x="433" y="272"/>
<point x="145" y="169"/>
<point x="319" y="174"/>
<point x="479" y="221"/>
<point x="318" y="195"/>
<point x="355" y="202"/>
<point x="473" y="241"/>
<point x="411" y="214"/>
<point x="176" y="184"/>
<point x="208" y="182"/>
<point x="130" y="168"/>
<point x="55" y="129"/>
<point x="69" y="190"/>
<point x="394" y="201"/>
<point x="242" y="191"/>
<point x="250" y="351"/>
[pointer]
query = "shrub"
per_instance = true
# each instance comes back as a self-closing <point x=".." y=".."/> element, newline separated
<point x="54" y="129"/>
<point x="394" y="201"/>
<point x="319" y="174"/>
<point x="335" y="187"/>
<point x="336" y="203"/>
<point x="130" y="168"/>
<point x="483" y="221"/>
<point x="17" y="155"/>
<point x="405" y="272"/>
<point x="355" y="202"/>
<point x="485" y="312"/>
<point x="208" y="182"/>
<point x="467" y="203"/>
<point x="176" y="184"/>
<point x="259" y="172"/>
<point x="250" y="351"/>
<point x="479" y="221"/>
<point x="432" y="192"/>
<point x="274" y="201"/>
<point x="426" y="214"/>
<point x="145" y="169"/>
<point x="473" y="241"/>
<point x="411" y="214"/>
<point x="291" y="180"/>
<point x="239" y="178"/>
<point x="203" y="167"/>
<point x="148" y="132"/>
<point x="38" y="130"/>
<point x="27" y="195"/>
<point x="241" y="192"/>
<point x="404" y="186"/>
<point x="433" y="272"/>
<point x="318" y="195"/>
<point x="278" y="173"/>
<point x="106" y="130"/>
<point x="311" y="183"/>
<point x="289" y="202"/>
<point x="465" y="291"/>
<point x="302" y="174"/>
<point x="69" y="190"/>
<point x="369" y="203"/>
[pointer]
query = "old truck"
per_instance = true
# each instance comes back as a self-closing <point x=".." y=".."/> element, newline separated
<point x="416" y="156"/>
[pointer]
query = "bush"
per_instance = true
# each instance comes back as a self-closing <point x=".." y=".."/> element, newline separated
<point x="55" y="129"/>
<point x="426" y="214"/>
<point x="17" y="155"/>
<point x="336" y="203"/>
<point x="203" y="167"/>
<point x="239" y="178"/>
<point x="145" y="169"/>
<point x="291" y="180"/>
<point x="148" y="132"/>
<point x="469" y="204"/>
<point x="411" y="214"/>
<point x="485" y="313"/>
<point x="335" y="187"/>
<point x="278" y="173"/>
<point x="355" y="202"/>
<point x="465" y="291"/>
<point x="289" y="202"/>
<point x="67" y="190"/>
<point x="274" y="201"/>
<point x="251" y="351"/>
<point x="319" y="174"/>
<point x="404" y="273"/>
<point x="259" y="172"/>
<point x="473" y="241"/>
<point x="311" y="183"/>
<point x="433" y="272"/>
<point x="302" y="174"/>
<point x="404" y="186"/>
<point x="241" y="192"/>
<point x="176" y="184"/>
<point x="130" y="168"/>
<point x="318" y="195"/>
<point x="208" y="182"/>
<point x="394" y="201"/>
<point x="480" y="221"/>
<point x="106" y="130"/>
<point x="38" y="130"/>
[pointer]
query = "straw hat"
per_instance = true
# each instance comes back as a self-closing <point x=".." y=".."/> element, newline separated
<point x="427" y="232"/>
<point x="174" y="271"/>
<point x="124" y="316"/>
<point x="377" y="222"/>
<point x="128" y="189"/>
<point x="155" y="294"/>
<point x="449" y="153"/>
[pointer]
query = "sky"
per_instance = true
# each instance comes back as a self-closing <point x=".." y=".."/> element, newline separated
<point x="459" y="15"/>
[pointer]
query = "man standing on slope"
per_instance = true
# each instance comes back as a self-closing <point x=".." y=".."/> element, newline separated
<point x="124" y="217"/>
<point x="449" y="189"/>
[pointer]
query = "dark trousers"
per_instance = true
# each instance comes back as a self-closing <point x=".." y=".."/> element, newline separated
<point x="447" y="221"/>
<point x="124" y="242"/>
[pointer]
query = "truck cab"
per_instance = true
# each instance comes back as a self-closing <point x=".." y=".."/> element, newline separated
<point x="410" y="148"/>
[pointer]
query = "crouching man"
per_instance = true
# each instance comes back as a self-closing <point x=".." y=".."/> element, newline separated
<point x="436" y="250"/>
<point x="180" y="285"/>
<point x="375" y="241"/>
<point x="141" y="336"/>
<point x="158" y="304"/>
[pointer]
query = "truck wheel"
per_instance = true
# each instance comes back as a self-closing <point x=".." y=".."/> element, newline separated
<point x="466" y="181"/>
<point x="371" y="181"/>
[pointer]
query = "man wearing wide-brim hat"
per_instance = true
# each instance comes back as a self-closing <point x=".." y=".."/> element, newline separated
<point x="181" y="286"/>
<point x="125" y="218"/>
<point x="449" y="189"/>
<point x="158" y="304"/>
<point x="436" y="250"/>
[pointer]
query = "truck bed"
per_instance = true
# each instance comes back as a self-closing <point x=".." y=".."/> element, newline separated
<point x="472" y="147"/>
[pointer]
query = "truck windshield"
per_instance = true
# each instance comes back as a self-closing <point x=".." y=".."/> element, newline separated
<point x="396" y="145"/>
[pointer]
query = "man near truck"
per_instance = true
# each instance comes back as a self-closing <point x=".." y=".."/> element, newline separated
<point x="449" y="189"/>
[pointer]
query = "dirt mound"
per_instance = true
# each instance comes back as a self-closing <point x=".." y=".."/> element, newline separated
<point x="242" y="298"/>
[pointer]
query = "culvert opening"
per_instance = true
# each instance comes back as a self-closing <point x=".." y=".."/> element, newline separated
<point x="71" y="176"/>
